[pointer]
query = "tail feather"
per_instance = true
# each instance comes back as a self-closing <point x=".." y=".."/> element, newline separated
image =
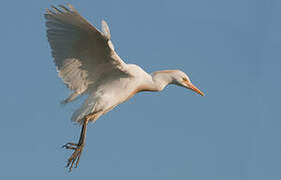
<point x="86" y="108"/>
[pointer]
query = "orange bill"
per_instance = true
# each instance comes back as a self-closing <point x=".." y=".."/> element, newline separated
<point x="194" y="88"/>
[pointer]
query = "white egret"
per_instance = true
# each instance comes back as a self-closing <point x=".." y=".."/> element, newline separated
<point x="87" y="63"/>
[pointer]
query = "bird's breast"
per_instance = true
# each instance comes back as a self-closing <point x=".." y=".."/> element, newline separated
<point x="119" y="91"/>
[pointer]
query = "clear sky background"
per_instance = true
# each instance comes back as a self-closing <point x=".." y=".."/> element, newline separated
<point x="231" y="51"/>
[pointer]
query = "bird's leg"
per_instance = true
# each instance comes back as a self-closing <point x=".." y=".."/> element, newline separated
<point x="78" y="148"/>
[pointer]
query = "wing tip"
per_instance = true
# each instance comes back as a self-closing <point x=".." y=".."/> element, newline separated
<point x="48" y="11"/>
<point x="61" y="10"/>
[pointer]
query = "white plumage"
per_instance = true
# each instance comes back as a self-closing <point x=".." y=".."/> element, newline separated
<point x="87" y="63"/>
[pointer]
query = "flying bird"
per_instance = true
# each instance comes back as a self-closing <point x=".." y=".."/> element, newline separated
<point x="88" y="64"/>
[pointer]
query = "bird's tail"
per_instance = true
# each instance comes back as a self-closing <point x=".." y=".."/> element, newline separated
<point x="86" y="108"/>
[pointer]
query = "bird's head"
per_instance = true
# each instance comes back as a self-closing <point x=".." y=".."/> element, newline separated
<point x="181" y="79"/>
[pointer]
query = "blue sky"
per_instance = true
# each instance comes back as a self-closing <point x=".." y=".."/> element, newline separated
<point x="230" y="50"/>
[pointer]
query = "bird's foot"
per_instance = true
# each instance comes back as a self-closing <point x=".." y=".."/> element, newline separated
<point x="70" y="145"/>
<point x="75" y="157"/>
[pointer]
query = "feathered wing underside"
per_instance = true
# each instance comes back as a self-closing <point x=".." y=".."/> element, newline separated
<point x="81" y="53"/>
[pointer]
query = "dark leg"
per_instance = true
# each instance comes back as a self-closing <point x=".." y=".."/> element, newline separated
<point x="78" y="148"/>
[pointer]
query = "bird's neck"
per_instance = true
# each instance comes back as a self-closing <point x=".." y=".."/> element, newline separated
<point x="161" y="79"/>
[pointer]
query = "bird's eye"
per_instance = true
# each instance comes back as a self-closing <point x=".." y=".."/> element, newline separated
<point x="184" y="79"/>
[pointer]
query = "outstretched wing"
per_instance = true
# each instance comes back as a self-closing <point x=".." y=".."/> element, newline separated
<point x="81" y="53"/>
